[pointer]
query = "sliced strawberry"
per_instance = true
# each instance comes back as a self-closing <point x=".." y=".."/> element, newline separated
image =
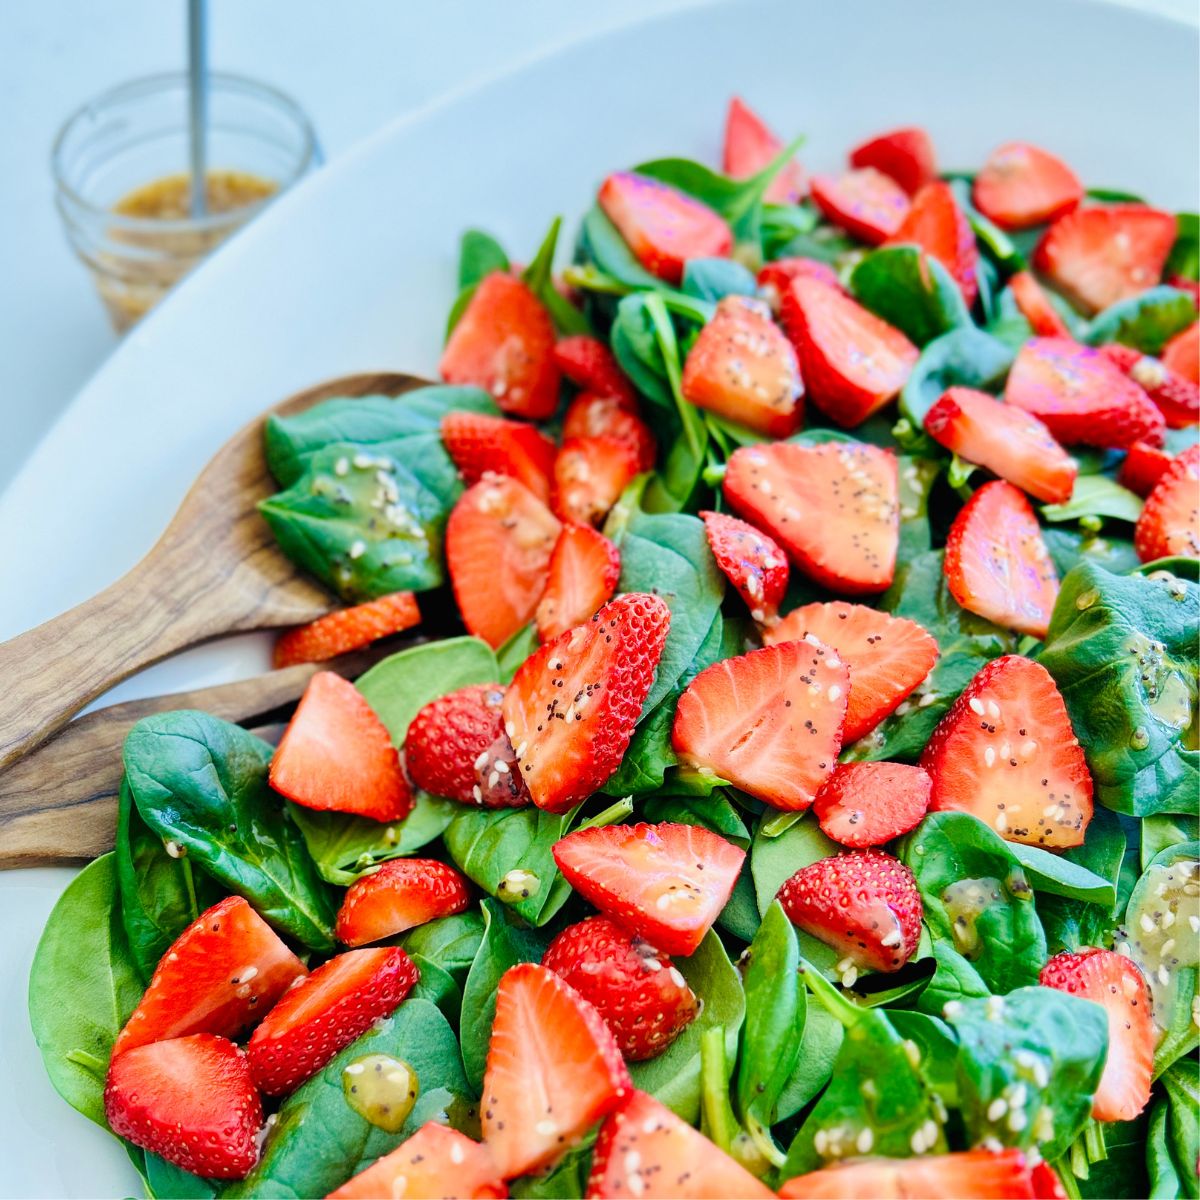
<point x="983" y="1174"/>
<point x="1009" y="441"/>
<point x="347" y="629"/>
<point x="609" y="416"/>
<point x="666" y="883"/>
<point x="1097" y="256"/>
<point x="742" y="367"/>
<point x="868" y="803"/>
<point x="750" y="147"/>
<point x="1006" y="752"/>
<point x="776" y="277"/>
<point x="769" y="721"/>
<point x="1021" y="185"/>
<point x="435" y="1161"/>
<point x="456" y="747"/>
<point x="865" y="905"/>
<point x="1182" y="353"/>
<point x="1170" y="520"/>
<point x="584" y="570"/>
<point x="1034" y="305"/>
<point x="400" y="895"/>
<point x="573" y="704"/>
<point x="189" y="1100"/>
<point x="751" y="561"/>
<point x="504" y="343"/>
<point x="326" y="1011"/>
<point x="479" y="444"/>
<point x="590" y="473"/>
<point x="852" y="362"/>
<point x="1117" y="984"/>
<point x="887" y="657"/>
<point x="644" y="1149"/>
<point x="866" y="203"/>
<point x="1178" y="399"/>
<point x="592" y="367"/>
<point x="1081" y="396"/>
<point x="645" y="1001"/>
<point x="336" y="755"/>
<point x="832" y="507"/>
<point x="498" y="544"/>
<point x="905" y="155"/>
<point x="221" y="974"/>
<point x="1143" y="468"/>
<point x="553" y="1070"/>
<point x="937" y="224"/>
<point x="663" y="226"/>
<point x="997" y="564"/>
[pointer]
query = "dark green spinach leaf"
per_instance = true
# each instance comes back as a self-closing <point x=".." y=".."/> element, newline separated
<point x="964" y="357"/>
<point x="910" y="290"/>
<point x="1146" y="321"/>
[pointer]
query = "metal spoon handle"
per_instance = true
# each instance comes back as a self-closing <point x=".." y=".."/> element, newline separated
<point x="198" y="103"/>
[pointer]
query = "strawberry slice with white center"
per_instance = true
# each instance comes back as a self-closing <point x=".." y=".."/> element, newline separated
<point x="1143" y="467"/>
<point x="997" y="565"/>
<point x="644" y="1149"/>
<point x="347" y="629"/>
<point x="905" y="155"/>
<point x="1170" y="521"/>
<point x="866" y="203"/>
<point x="868" y="803"/>
<point x="1035" y="306"/>
<point x="592" y="416"/>
<point x="751" y="561"/>
<point x="887" y="657"/>
<point x="1022" y="185"/>
<point x="750" y="147"/>
<point x="776" y="277"/>
<point x="479" y="443"/>
<point x="937" y="224"/>
<point x="573" y="704"/>
<point x="1182" y="353"/>
<point x="584" y="570"/>
<point x="666" y="883"/>
<point x="1009" y="441"/>
<point x="1178" y="399"/>
<point x="983" y="1174"/>
<point x="590" y="473"/>
<point x="401" y="894"/>
<point x="592" y="367"/>
<point x="1006" y="753"/>
<point x="553" y="1071"/>
<point x="769" y="722"/>
<point x="336" y="755"/>
<point x="221" y="974"/>
<point x="1117" y="984"/>
<point x="832" y="507"/>
<point x="498" y="544"/>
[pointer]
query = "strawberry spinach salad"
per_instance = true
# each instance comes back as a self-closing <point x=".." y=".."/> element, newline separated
<point x="802" y="799"/>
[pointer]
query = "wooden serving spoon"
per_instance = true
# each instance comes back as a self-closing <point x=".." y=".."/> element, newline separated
<point x="215" y="571"/>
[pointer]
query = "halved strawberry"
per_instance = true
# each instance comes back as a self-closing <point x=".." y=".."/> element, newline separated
<point x="498" y="544"/>
<point x="644" y="1149"/>
<point x="905" y="155"/>
<point x="1097" y="256"/>
<point x="644" y="1000"/>
<point x="1022" y="185"/>
<point x="666" y="883"/>
<point x="866" y="203"/>
<point x="435" y="1161"/>
<point x="1034" y="305"/>
<point x="868" y="803"/>
<point x="865" y="905"/>
<point x="592" y="367"/>
<point x="1170" y="520"/>
<point x="1182" y="353"/>
<point x="751" y="561"/>
<point x="590" y="473"/>
<point x="584" y="570"/>
<point x="769" y="722"/>
<point x="336" y="755"/>
<point x="573" y="704"/>
<point x="742" y="367"/>
<point x="832" y="507"/>
<point x="456" y="747"/>
<point x="1117" y="984"/>
<point x="553" y="1070"/>
<point x="852" y="362"/>
<point x="590" y="415"/>
<point x="327" y="1010"/>
<point x="750" y="146"/>
<point x="776" y="277"/>
<point x="347" y="629"/>
<point x="504" y="343"/>
<point x="221" y="974"/>
<point x="1080" y="396"/>
<point x="997" y="564"/>
<point x="983" y="1174"/>
<point x="1178" y="399"/>
<point x="401" y="894"/>
<point x="189" y="1100"/>
<point x="663" y="226"/>
<point x="1143" y="468"/>
<point x="937" y="224"/>
<point x="1006" y="752"/>
<point x="887" y="657"/>
<point x="1009" y="441"/>
<point x="479" y="444"/>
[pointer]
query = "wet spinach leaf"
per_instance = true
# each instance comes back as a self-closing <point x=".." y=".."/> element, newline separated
<point x="964" y="357"/>
<point x="910" y="290"/>
<point x="1146" y="321"/>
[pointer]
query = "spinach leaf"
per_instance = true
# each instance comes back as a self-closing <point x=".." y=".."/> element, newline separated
<point x="1096" y="496"/>
<point x="938" y="1049"/>
<point x="1146" y="321"/>
<point x="1068" y="548"/>
<point x="1069" y="924"/>
<point x="568" y="1176"/>
<point x="164" y="1179"/>
<point x="910" y="290"/>
<point x="715" y="278"/>
<point x="600" y="241"/>
<point x="83" y="986"/>
<point x="1182" y="1084"/>
<point x="775" y="859"/>
<point x="740" y="914"/>
<point x="964" y="357"/>
<point x="1058" y="875"/>
<point x="540" y="278"/>
<point x="202" y="783"/>
<point x="1163" y="1172"/>
<point x="819" y="1048"/>
<point x="713" y="811"/>
<point x="954" y="978"/>
<point x="1159" y="833"/>
<point x="513" y="652"/>
<point x="479" y="255"/>
<point x="1184" y="258"/>
<point x="1123" y="1171"/>
<point x="451" y="942"/>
